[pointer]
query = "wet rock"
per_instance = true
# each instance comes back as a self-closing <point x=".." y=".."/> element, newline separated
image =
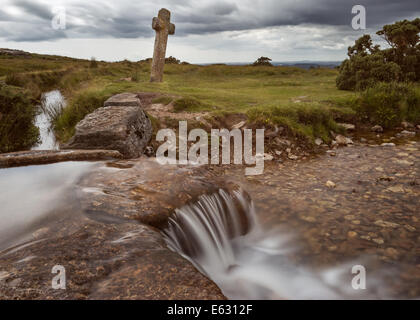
<point x="391" y="253"/>
<point x="103" y="261"/>
<point x="239" y="125"/>
<point x="388" y="144"/>
<point x="343" y="141"/>
<point x="278" y="152"/>
<point x="407" y="125"/>
<point x="378" y="240"/>
<point x="33" y="157"/>
<point x="386" y="224"/>
<point x="123" y="100"/>
<point x="126" y="129"/>
<point x="347" y="126"/>
<point x="145" y="191"/>
<point x="404" y="162"/>
<point x="280" y="141"/>
<point x="330" y="184"/>
<point x="352" y="234"/>
<point x="377" y="128"/>
<point x="408" y="133"/>
<point x="268" y="157"/>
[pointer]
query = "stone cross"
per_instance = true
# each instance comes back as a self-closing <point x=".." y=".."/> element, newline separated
<point x="163" y="27"/>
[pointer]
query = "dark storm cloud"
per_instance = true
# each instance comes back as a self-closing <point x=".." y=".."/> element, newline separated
<point x="128" y="19"/>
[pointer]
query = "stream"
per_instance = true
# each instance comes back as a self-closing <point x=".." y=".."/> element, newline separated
<point x="52" y="103"/>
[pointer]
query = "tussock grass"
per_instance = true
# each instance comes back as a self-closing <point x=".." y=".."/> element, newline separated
<point x="264" y="93"/>
<point x="307" y="121"/>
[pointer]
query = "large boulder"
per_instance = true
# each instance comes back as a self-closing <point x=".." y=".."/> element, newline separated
<point x="121" y="125"/>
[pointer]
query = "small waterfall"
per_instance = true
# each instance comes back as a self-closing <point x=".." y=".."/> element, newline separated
<point x="221" y="236"/>
<point x="51" y="105"/>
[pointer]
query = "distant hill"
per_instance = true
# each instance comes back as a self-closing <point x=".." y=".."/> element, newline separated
<point x="299" y="64"/>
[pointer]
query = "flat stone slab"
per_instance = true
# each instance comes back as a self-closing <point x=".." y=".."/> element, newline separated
<point x="123" y="100"/>
<point x="126" y="129"/>
<point x="34" y="157"/>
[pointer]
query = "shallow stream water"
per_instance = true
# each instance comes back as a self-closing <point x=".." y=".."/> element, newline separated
<point x="51" y="104"/>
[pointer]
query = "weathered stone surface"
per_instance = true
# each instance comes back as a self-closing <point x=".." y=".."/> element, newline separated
<point x="163" y="27"/>
<point x="33" y="157"/>
<point x="124" y="100"/>
<point x="126" y="129"/>
<point x="103" y="260"/>
<point x="377" y="128"/>
<point x="343" y="141"/>
<point x="145" y="190"/>
<point x="106" y="254"/>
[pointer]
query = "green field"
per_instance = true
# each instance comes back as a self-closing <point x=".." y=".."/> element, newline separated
<point x="306" y="102"/>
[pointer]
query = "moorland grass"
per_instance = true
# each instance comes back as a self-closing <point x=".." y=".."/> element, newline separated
<point x="306" y="102"/>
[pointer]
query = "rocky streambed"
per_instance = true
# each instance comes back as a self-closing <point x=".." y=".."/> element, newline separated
<point x="106" y="231"/>
<point x="317" y="217"/>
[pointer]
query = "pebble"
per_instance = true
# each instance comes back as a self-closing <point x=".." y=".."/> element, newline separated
<point x="404" y="162"/>
<point x="386" y="224"/>
<point x="342" y="140"/>
<point x="318" y="141"/>
<point x="378" y="240"/>
<point x="406" y="125"/>
<point x="396" y="189"/>
<point x="408" y="133"/>
<point x="347" y="126"/>
<point x="392" y="253"/>
<point x="377" y="128"/>
<point x="388" y="144"/>
<point x="330" y="184"/>
<point x="352" y="234"/>
<point x="268" y="157"/>
<point x="292" y="156"/>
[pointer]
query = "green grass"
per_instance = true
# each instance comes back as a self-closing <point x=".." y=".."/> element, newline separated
<point x="17" y="113"/>
<point x="218" y="89"/>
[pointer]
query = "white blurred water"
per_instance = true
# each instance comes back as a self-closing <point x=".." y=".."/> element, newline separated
<point x="221" y="236"/>
<point x="28" y="194"/>
<point x="51" y="103"/>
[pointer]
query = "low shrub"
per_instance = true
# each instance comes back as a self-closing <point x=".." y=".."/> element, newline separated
<point x="387" y="104"/>
<point x="17" y="114"/>
<point x="308" y="121"/>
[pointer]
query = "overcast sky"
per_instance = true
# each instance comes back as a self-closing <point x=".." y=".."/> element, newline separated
<point x="206" y="30"/>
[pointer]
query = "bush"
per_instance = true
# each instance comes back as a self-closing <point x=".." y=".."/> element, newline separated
<point x="388" y="104"/>
<point x="262" y="61"/>
<point x="17" y="114"/>
<point x="308" y="121"/>
<point x="172" y="60"/>
<point x="368" y="64"/>
<point x="93" y="63"/>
